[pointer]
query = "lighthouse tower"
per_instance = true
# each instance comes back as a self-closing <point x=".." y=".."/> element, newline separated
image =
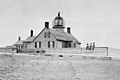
<point x="58" y="23"/>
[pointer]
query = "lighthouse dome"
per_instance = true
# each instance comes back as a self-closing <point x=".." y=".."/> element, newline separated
<point x="58" y="21"/>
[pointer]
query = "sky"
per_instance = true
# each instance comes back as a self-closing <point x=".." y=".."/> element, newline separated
<point x="90" y="20"/>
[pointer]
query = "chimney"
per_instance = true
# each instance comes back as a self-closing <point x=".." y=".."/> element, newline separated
<point x="19" y="38"/>
<point x="31" y="33"/>
<point x="47" y="25"/>
<point x="68" y="30"/>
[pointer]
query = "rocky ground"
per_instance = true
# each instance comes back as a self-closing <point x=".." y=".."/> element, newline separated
<point x="23" y="67"/>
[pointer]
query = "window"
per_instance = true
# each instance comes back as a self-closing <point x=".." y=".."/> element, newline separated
<point x="47" y="35"/>
<point x="18" y="47"/>
<point x="63" y="44"/>
<point x="74" y="45"/>
<point x="37" y="44"/>
<point x="25" y="46"/>
<point x="66" y="44"/>
<point x="48" y="44"/>
<point x="51" y="44"/>
<point x="69" y="44"/>
<point x="21" y="47"/>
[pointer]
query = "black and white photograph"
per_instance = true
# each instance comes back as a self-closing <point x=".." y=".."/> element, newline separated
<point x="59" y="39"/>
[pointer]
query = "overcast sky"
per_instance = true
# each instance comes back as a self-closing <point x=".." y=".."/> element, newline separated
<point x="90" y="20"/>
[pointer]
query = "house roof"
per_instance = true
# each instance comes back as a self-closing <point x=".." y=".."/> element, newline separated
<point x="19" y="42"/>
<point x="63" y="35"/>
<point x="29" y="39"/>
<point x="11" y="46"/>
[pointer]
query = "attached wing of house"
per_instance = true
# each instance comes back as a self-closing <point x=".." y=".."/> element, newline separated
<point x="19" y="42"/>
<point x="64" y="36"/>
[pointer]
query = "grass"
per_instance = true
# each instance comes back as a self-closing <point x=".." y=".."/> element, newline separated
<point x="23" y="67"/>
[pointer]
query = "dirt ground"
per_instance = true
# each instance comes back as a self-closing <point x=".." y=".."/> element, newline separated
<point x="23" y="67"/>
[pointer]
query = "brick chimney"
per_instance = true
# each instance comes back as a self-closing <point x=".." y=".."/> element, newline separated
<point x="47" y="25"/>
<point x="19" y="38"/>
<point x="31" y="33"/>
<point x="68" y="30"/>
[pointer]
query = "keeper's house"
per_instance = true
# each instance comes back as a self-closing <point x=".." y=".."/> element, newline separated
<point x="50" y="39"/>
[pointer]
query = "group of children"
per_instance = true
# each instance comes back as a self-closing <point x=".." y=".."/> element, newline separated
<point x="91" y="46"/>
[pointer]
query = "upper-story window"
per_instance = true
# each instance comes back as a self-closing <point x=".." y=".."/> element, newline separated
<point x="38" y="44"/>
<point x="47" y="35"/>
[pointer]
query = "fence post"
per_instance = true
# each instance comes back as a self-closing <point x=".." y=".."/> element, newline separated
<point x="107" y="50"/>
